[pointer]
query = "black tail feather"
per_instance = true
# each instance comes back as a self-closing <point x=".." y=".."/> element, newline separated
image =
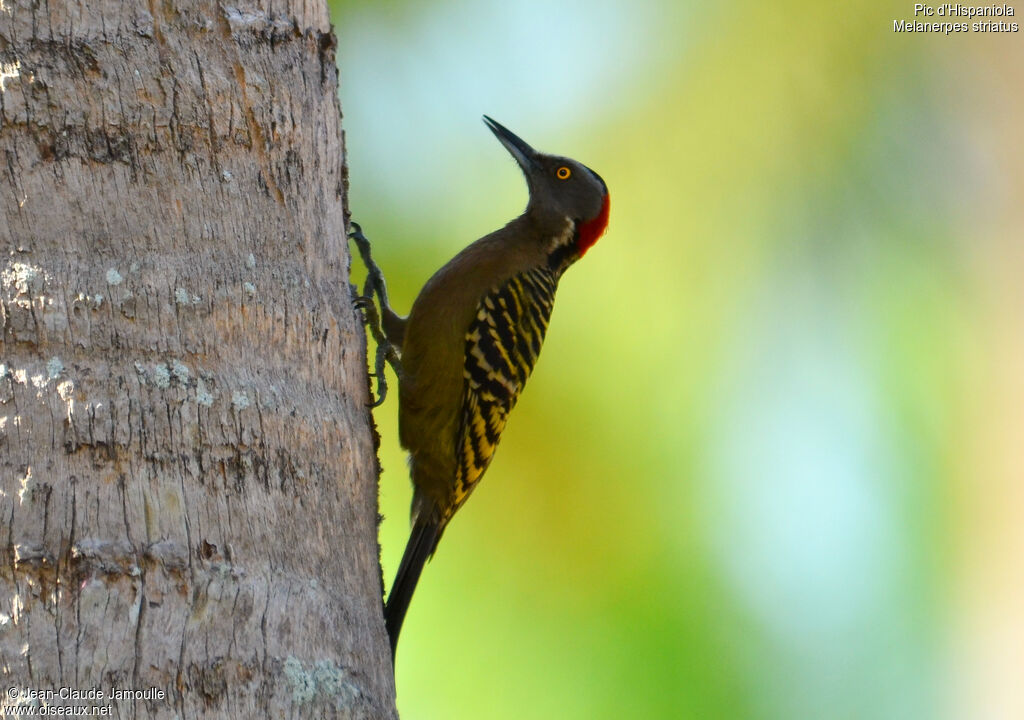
<point x="421" y="545"/>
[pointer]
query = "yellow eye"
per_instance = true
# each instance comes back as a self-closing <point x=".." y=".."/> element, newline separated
<point x="563" y="173"/>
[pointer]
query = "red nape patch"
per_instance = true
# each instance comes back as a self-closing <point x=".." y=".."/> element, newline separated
<point x="591" y="230"/>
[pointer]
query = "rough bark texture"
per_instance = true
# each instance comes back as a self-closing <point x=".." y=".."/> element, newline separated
<point x="187" y="469"/>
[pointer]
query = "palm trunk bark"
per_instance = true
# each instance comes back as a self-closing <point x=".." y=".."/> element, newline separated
<point x="188" y="500"/>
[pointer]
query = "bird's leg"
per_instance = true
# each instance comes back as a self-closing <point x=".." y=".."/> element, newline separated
<point x="387" y="334"/>
<point x="386" y="352"/>
<point x="393" y="324"/>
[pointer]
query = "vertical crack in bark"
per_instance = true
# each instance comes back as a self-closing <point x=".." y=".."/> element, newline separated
<point x="139" y="561"/>
<point x="212" y="135"/>
<point x="77" y="589"/>
<point x="256" y="136"/>
<point x="188" y="607"/>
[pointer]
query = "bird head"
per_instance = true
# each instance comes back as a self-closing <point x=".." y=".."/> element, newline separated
<point x="560" y="187"/>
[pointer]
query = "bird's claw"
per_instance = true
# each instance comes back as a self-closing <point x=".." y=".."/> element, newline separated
<point x="361" y="302"/>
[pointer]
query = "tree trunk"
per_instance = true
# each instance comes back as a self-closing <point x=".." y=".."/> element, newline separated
<point x="187" y="469"/>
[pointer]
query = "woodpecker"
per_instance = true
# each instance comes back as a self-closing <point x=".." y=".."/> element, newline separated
<point x="463" y="354"/>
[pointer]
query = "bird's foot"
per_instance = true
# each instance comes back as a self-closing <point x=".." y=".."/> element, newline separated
<point x="386" y="352"/>
<point x="393" y="324"/>
<point x="387" y="334"/>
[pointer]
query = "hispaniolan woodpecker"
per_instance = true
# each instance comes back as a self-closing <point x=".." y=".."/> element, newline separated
<point x="464" y="353"/>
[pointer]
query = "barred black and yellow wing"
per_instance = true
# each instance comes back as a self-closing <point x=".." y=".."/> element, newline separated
<point x="502" y="346"/>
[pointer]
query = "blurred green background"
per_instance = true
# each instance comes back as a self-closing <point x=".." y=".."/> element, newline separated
<point x="770" y="462"/>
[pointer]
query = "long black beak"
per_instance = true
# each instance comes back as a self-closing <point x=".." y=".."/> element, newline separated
<point x="523" y="153"/>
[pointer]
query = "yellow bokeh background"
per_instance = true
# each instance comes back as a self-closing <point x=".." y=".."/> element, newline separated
<point x="770" y="462"/>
